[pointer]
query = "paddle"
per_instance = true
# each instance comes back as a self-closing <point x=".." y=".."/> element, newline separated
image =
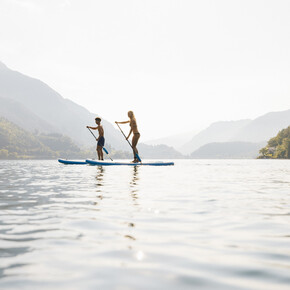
<point x="106" y="151"/>
<point x="129" y="143"/>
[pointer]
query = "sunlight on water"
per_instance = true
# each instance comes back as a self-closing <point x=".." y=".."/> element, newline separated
<point x="140" y="256"/>
<point x="201" y="224"/>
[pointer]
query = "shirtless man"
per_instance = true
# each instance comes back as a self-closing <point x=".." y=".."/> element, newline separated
<point x="136" y="135"/>
<point x="100" y="139"/>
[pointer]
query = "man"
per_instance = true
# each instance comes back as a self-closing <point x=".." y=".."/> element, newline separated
<point x="100" y="139"/>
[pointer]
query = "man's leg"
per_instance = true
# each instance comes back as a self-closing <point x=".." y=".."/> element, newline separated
<point x="99" y="152"/>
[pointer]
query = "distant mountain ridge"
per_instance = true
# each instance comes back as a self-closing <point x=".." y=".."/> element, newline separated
<point x="264" y="127"/>
<point x="174" y="141"/>
<point x="23" y="116"/>
<point x="158" y="151"/>
<point x="258" y="130"/>
<point x="216" y="132"/>
<point x="226" y="150"/>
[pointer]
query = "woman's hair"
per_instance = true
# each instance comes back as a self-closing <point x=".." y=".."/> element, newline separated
<point x="98" y="119"/>
<point x="131" y="114"/>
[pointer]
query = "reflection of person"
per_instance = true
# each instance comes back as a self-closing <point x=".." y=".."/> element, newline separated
<point x="100" y="176"/>
<point x="100" y="139"/>
<point x="134" y="195"/>
<point x="135" y="176"/>
<point x="136" y="135"/>
<point x="134" y="184"/>
<point x="99" y="183"/>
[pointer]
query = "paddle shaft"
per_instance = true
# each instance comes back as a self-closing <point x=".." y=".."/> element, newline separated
<point x="129" y="143"/>
<point x="92" y="133"/>
<point x="103" y="147"/>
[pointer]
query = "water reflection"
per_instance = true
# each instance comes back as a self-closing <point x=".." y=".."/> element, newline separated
<point x="134" y="188"/>
<point x="100" y="175"/>
<point x="100" y="182"/>
<point x="134" y="184"/>
<point x="130" y="237"/>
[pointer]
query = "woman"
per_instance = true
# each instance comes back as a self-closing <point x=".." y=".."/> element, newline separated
<point x="136" y="134"/>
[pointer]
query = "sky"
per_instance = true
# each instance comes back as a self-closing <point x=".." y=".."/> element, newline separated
<point x="179" y="65"/>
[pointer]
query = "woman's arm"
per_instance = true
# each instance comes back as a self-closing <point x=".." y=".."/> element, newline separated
<point x="124" y="122"/>
<point x="129" y="134"/>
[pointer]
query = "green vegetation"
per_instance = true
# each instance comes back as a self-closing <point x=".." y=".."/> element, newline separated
<point x="278" y="147"/>
<point x="16" y="143"/>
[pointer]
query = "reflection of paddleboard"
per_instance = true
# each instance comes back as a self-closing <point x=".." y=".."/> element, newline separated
<point x="64" y="161"/>
<point x="107" y="163"/>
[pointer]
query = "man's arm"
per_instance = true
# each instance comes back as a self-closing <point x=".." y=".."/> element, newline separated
<point x="93" y="128"/>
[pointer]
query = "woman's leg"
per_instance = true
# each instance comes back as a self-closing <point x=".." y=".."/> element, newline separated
<point x="135" y="140"/>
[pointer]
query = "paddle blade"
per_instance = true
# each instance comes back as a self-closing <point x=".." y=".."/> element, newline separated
<point x="107" y="153"/>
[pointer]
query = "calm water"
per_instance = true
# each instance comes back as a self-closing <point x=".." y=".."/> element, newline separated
<point x="201" y="224"/>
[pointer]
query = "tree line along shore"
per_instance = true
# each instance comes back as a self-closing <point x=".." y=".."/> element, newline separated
<point x="277" y="147"/>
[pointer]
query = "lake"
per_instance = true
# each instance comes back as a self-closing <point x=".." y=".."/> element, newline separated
<point x="201" y="224"/>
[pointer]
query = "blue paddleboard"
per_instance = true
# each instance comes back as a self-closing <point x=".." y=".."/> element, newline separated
<point x="108" y="163"/>
<point x="64" y="161"/>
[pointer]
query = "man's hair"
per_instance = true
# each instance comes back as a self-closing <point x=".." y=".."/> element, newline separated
<point x="98" y="119"/>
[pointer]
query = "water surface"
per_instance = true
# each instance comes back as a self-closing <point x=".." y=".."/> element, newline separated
<point x="201" y="224"/>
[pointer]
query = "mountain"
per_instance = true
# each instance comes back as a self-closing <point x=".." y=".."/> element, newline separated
<point x="24" y="117"/>
<point x="175" y="141"/>
<point x="34" y="106"/>
<point x="216" y="132"/>
<point x="226" y="150"/>
<point x="158" y="151"/>
<point x="253" y="131"/>
<point x="264" y="127"/>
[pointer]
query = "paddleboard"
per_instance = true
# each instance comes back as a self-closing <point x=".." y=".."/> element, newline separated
<point x="110" y="163"/>
<point x="64" y="161"/>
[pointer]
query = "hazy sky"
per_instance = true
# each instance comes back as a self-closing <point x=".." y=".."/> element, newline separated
<point x="179" y="65"/>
